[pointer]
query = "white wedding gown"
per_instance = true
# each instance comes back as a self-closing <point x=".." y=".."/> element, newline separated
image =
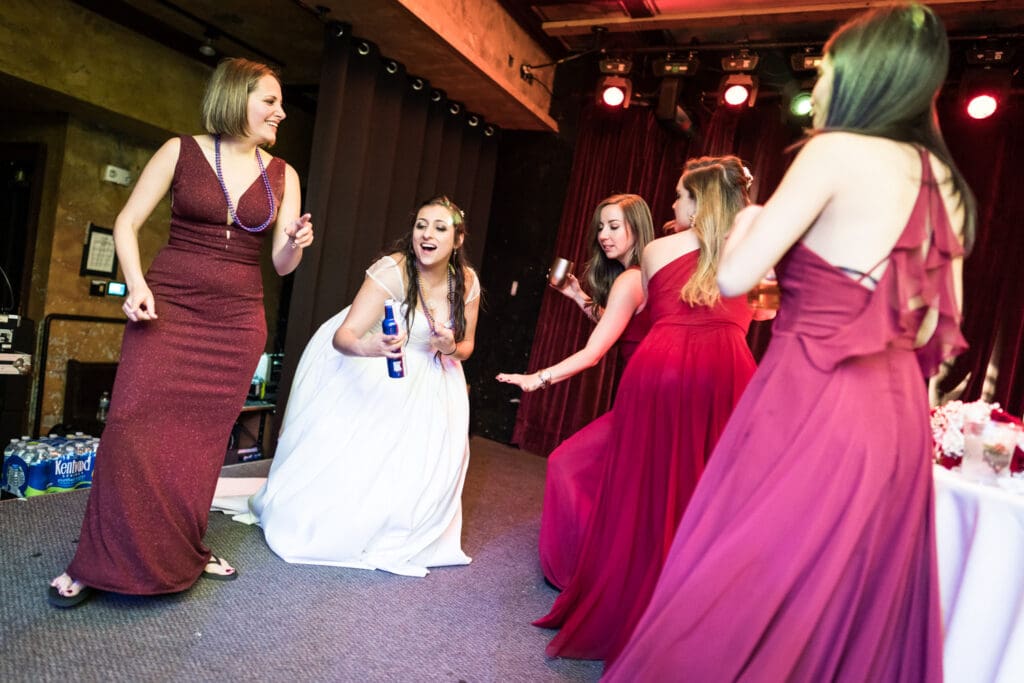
<point x="369" y="469"/>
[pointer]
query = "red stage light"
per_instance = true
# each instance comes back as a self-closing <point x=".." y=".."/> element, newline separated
<point x="613" y="96"/>
<point x="614" y="91"/>
<point x="737" y="90"/>
<point x="982" y="106"/>
<point x="736" y="95"/>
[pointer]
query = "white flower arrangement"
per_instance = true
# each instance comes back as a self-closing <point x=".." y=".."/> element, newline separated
<point x="947" y="422"/>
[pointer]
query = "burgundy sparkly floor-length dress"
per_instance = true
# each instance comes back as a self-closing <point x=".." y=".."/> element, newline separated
<point x="180" y="385"/>
<point x="674" y="400"/>
<point x="574" y="476"/>
<point x="808" y="550"/>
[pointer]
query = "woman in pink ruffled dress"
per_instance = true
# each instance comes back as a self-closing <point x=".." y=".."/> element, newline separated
<point x="808" y="550"/>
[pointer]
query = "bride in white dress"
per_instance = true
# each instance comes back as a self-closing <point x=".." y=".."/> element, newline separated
<point x="369" y="469"/>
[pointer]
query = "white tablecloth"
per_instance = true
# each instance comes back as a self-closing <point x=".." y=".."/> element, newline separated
<point x="980" y="532"/>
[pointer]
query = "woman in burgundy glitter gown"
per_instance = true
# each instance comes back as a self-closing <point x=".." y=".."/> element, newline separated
<point x="195" y="333"/>
<point x="622" y="226"/>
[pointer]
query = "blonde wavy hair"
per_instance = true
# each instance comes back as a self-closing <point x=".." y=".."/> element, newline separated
<point x="720" y="189"/>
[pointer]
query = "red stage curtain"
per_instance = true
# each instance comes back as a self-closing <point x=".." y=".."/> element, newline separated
<point x="993" y="274"/>
<point x="618" y="151"/>
<point x="627" y="152"/>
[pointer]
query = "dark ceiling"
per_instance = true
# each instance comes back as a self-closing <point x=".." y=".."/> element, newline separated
<point x="289" y="32"/>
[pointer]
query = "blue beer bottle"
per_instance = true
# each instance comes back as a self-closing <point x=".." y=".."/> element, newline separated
<point x="390" y="326"/>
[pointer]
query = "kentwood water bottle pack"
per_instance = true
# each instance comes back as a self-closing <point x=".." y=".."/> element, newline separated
<point x="32" y="467"/>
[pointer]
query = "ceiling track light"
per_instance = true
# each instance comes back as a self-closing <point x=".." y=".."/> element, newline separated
<point x="744" y="60"/>
<point x="207" y="49"/>
<point x="616" y="66"/>
<point x="669" y="65"/>
<point x="807" y="60"/>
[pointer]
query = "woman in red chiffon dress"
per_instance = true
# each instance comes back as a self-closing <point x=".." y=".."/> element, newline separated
<point x="808" y="550"/>
<point x="622" y="226"/>
<point x="195" y="333"/>
<point x="674" y="399"/>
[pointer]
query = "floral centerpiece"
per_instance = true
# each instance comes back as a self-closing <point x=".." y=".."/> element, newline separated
<point x="947" y="423"/>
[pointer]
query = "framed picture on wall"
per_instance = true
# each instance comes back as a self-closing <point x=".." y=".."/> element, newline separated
<point x="98" y="255"/>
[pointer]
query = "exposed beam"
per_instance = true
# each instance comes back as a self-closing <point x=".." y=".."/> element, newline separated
<point x="471" y="50"/>
<point x="680" y="20"/>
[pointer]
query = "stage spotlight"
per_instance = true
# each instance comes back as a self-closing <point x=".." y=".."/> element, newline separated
<point x="982" y="106"/>
<point x="614" y="91"/>
<point x="982" y="91"/>
<point x="391" y="66"/>
<point x="800" y="105"/>
<point x="436" y="96"/>
<point x="363" y="48"/>
<point x="489" y="131"/>
<point x="473" y="120"/>
<point x="454" y="108"/>
<point x="417" y="84"/>
<point x="739" y="89"/>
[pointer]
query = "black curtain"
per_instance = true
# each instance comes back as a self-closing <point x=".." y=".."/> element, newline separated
<point x="384" y="141"/>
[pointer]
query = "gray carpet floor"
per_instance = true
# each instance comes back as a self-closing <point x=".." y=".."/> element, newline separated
<point x="282" y="622"/>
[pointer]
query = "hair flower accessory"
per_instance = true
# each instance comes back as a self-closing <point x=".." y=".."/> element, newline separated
<point x="749" y="176"/>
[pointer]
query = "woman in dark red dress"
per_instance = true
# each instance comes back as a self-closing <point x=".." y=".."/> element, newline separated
<point x="195" y="333"/>
<point x="674" y="399"/>
<point x="808" y="551"/>
<point x="622" y="227"/>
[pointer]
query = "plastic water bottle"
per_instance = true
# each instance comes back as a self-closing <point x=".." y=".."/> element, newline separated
<point x="101" y="412"/>
<point x="396" y="366"/>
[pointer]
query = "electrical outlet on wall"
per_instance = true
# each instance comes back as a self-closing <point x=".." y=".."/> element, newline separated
<point x="114" y="174"/>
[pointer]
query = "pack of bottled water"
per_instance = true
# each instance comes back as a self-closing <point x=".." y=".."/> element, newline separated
<point x="48" y="464"/>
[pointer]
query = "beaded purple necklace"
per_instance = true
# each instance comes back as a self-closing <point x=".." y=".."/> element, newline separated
<point x="227" y="197"/>
<point x="451" y="300"/>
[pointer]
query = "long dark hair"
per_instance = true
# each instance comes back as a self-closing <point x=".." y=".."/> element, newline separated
<point x="601" y="270"/>
<point x="719" y="187"/>
<point x="457" y="263"/>
<point x="888" y="67"/>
